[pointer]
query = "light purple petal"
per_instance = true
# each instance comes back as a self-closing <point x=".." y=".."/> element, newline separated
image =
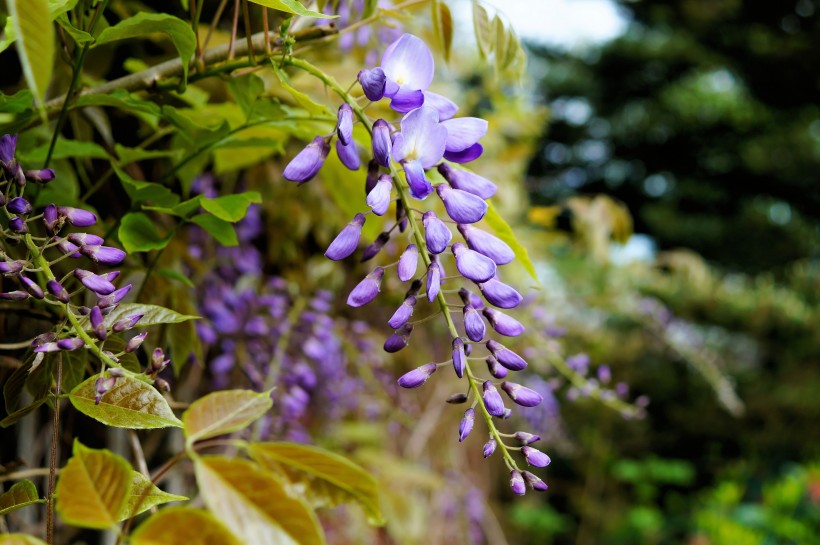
<point x="423" y="138"/>
<point x="468" y="181"/>
<point x="373" y="83"/>
<point x="379" y="198"/>
<point x="461" y="206"/>
<point x="463" y="132"/>
<point x="307" y="162"/>
<point x="420" y="186"/>
<point x="344" y="124"/>
<point x="347" y="240"/>
<point x="382" y="143"/>
<point x="500" y="294"/>
<point x="446" y="107"/>
<point x="408" y="263"/>
<point x="367" y="289"/>
<point x="406" y="99"/>
<point x="487" y="244"/>
<point x="437" y="234"/>
<point x="349" y="154"/>
<point x="408" y="61"/>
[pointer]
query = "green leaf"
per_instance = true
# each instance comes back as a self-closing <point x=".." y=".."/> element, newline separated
<point x="483" y="32"/>
<point x="231" y="208"/>
<point x="221" y="230"/>
<point x="246" y="91"/>
<point x="17" y="103"/>
<point x="223" y="412"/>
<point x="138" y="234"/>
<point x="20" y="539"/>
<point x="254" y="504"/>
<point x="176" y="275"/>
<point x="443" y="26"/>
<point x="12" y="418"/>
<point x="80" y="37"/>
<point x="307" y="103"/>
<point x="93" y="487"/>
<point x="322" y="477"/>
<point x="14" y="384"/>
<point x="151" y="315"/>
<point x="131" y="403"/>
<point x="143" y="496"/>
<point x="501" y="41"/>
<point x="294" y="7"/>
<point x="18" y="496"/>
<point x="74" y="363"/>
<point x="182" y="210"/>
<point x="122" y="100"/>
<point x="140" y="191"/>
<point x="144" y="23"/>
<point x="31" y="22"/>
<point x="183" y="525"/>
<point x="74" y="149"/>
<point x="132" y="155"/>
<point x="504" y="232"/>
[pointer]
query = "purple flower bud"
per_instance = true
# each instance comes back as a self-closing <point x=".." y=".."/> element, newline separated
<point x="51" y="218"/>
<point x="347" y="241"/>
<point x="373" y="83"/>
<point x="67" y="247"/>
<point x="135" y="342"/>
<point x="379" y="197"/>
<point x="81" y="239"/>
<point x="349" y="155"/>
<point x="461" y="206"/>
<point x="472" y="265"/>
<point x="468" y="181"/>
<point x="71" y="343"/>
<point x="17" y="295"/>
<point x="103" y="254"/>
<point x="433" y="279"/>
<point x="97" y="324"/>
<point x="642" y="401"/>
<point x="534" y="482"/>
<point x="503" y="324"/>
<point x="505" y="356"/>
<point x="417" y="376"/>
<point x="517" y="483"/>
<point x="102" y="386"/>
<point x="496" y="369"/>
<point x="32" y="287"/>
<point x="77" y="216"/>
<point x="408" y="263"/>
<point x="398" y="339"/>
<point x="500" y="294"/>
<point x="307" y="162"/>
<point x="492" y="399"/>
<point x="344" y="124"/>
<point x="18" y="225"/>
<point x="470" y="298"/>
<point x="382" y="143"/>
<point x="10" y="268"/>
<point x="466" y="425"/>
<point x="373" y="249"/>
<point x="46" y="347"/>
<point x="486" y="244"/>
<point x="473" y="324"/>
<point x="465" y="156"/>
<point x="8" y="145"/>
<point x="457" y="399"/>
<point x="158" y="361"/>
<point x="162" y="384"/>
<point x="459" y="357"/>
<point x="403" y="313"/>
<point x="114" y="298"/>
<point x="604" y="374"/>
<point x="372" y="177"/>
<point x="436" y="233"/>
<point x="94" y="282"/>
<point x="115" y="372"/>
<point x="42" y="176"/>
<point x="526" y="438"/>
<point x="18" y="205"/>
<point x="535" y="457"/>
<point x="367" y="289"/>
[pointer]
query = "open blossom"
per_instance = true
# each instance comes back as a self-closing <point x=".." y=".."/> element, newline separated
<point x="419" y="146"/>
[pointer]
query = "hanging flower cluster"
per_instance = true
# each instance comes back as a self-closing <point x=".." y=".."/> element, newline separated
<point x="428" y="137"/>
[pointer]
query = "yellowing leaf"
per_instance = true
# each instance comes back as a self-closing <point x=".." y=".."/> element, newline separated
<point x="144" y="495"/>
<point x="443" y="25"/>
<point x="93" y="487"/>
<point x="253" y="503"/>
<point x="483" y="32"/>
<point x="31" y="22"/>
<point x="183" y="526"/>
<point x="312" y="107"/>
<point x="19" y="495"/>
<point x="223" y="412"/>
<point x="131" y="403"/>
<point x="504" y="232"/>
<point x="324" y="478"/>
<point x="20" y="539"/>
<point x="294" y="7"/>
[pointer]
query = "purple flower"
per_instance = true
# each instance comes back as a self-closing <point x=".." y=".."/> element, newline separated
<point x="487" y="244"/>
<point x="459" y="357"/>
<point x="8" y="145"/>
<point x="114" y="298"/>
<point x="40" y="176"/>
<point x="46" y="347"/>
<point x="464" y="132"/>
<point x="67" y="247"/>
<point x="468" y="181"/>
<point x="126" y="323"/>
<point x="517" y="483"/>
<point x="535" y="457"/>
<point x="492" y="399"/>
<point x="51" y="217"/>
<point x="81" y="239"/>
<point x="526" y="438"/>
<point x="446" y="107"/>
<point x="408" y="263"/>
<point x="344" y="125"/>
<point x="103" y="254"/>
<point x="10" y="267"/>
<point x="16" y="295"/>
<point x="489" y="447"/>
<point x="473" y="265"/>
<point x="503" y="324"/>
<point x="379" y="197"/>
<point x="95" y="283"/>
<point x="18" y="205"/>
<point x="367" y="289"/>
<point x="604" y="374"/>
<point x="347" y="240"/>
<point x="71" y="343"/>
<point x="417" y="376"/>
<point x="408" y="68"/>
<point x="433" y="278"/>
<point x="461" y="206"/>
<point x="470" y="154"/>
<point x="373" y="83"/>
<point x="31" y="287"/>
<point x="372" y="176"/>
<point x="382" y="142"/>
<point x="58" y="291"/>
<point x="96" y="318"/>
<point x="135" y="341"/>
<point x="398" y="339"/>
<point x="466" y="425"/>
<point x="436" y="233"/>
<point x="307" y="162"/>
<point x="18" y="225"/>
<point x="473" y="324"/>
<point x="499" y="293"/>
<point x="496" y="369"/>
<point x="419" y="146"/>
<point x="505" y="356"/>
<point x="375" y="247"/>
<point x="403" y="313"/>
<point x="77" y="216"/>
<point x="535" y="482"/>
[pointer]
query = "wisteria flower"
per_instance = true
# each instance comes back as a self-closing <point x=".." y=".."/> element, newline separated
<point x="419" y="146"/>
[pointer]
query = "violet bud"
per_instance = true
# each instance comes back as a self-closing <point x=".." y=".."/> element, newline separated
<point x="41" y="176"/>
<point x="126" y="323"/>
<point x="94" y="282"/>
<point x="457" y="399"/>
<point x="408" y="263"/>
<point x="81" y="239"/>
<point x="473" y="324"/>
<point x="10" y="268"/>
<point x="72" y="343"/>
<point x="505" y="356"/>
<point x="433" y="278"/>
<point x="461" y="206"/>
<point x="18" y="225"/>
<point x="534" y="482"/>
<point x="382" y="143"/>
<point x="135" y="342"/>
<point x="114" y="298"/>
<point x="344" y="124"/>
<point x="436" y="233"/>
<point x="496" y="369"/>
<point x="604" y="374"/>
<point x="398" y="339"/>
<point x="484" y="243"/>
<point x="417" y="376"/>
<point x="51" y="218"/>
<point x="67" y="247"/>
<point x="472" y="265"/>
<point x="162" y="384"/>
<point x="492" y="399"/>
<point x="526" y="438"/>
<point x="102" y="386"/>
<point x="459" y="357"/>
<point x="115" y="372"/>
<point x="373" y="249"/>
<point x="500" y="294"/>
<point x="77" y="216"/>
<point x="470" y="298"/>
<point x="379" y="197"/>
<point x="403" y="313"/>
<point x="468" y="181"/>
<point x="372" y="177"/>
<point x="16" y="295"/>
<point x="103" y="254"/>
<point x="349" y="155"/>
<point x="97" y="324"/>
<point x="367" y="289"/>
<point x="158" y="362"/>
<point x="347" y="240"/>
<point x="503" y="324"/>
<point x="307" y="162"/>
<point x="8" y="146"/>
<point x="373" y="83"/>
<point x="46" y="347"/>
<point x="535" y="457"/>
<point x="466" y="425"/>
<point x="18" y="205"/>
<point x="489" y="447"/>
<point x="517" y="483"/>
<point x="32" y="287"/>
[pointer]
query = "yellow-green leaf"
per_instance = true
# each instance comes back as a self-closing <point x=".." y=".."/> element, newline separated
<point x="294" y="7"/>
<point x="131" y="403"/>
<point x="254" y="504"/>
<point x="443" y="25"/>
<point x="31" y="22"/>
<point x="221" y="230"/>
<point x="20" y="539"/>
<point x="483" y="32"/>
<point x="500" y="37"/>
<point x="19" y="495"/>
<point x="231" y="208"/>
<point x="223" y="412"/>
<point x="323" y="478"/>
<point x="93" y="488"/>
<point x="183" y="525"/>
<point x="505" y="233"/>
<point x="312" y="107"/>
<point x="143" y="496"/>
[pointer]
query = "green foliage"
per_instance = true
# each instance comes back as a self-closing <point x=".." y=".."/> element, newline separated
<point x="294" y="7"/>
<point x="32" y="26"/>
<point x="190" y="526"/>
<point x="224" y="412"/>
<point x="504" y="232"/>
<point x="139" y="234"/>
<point x="20" y="495"/>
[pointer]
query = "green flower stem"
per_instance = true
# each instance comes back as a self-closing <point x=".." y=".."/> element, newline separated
<point x="418" y="236"/>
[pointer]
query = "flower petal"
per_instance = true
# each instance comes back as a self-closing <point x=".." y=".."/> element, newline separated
<point x="408" y="61"/>
<point x="464" y="132"/>
<point x="465" y="156"/>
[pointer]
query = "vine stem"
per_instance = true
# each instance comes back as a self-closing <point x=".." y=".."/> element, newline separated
<point x="52" y="465"/>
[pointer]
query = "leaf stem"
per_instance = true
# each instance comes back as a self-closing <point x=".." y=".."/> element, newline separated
<point x="52" y="467"/>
